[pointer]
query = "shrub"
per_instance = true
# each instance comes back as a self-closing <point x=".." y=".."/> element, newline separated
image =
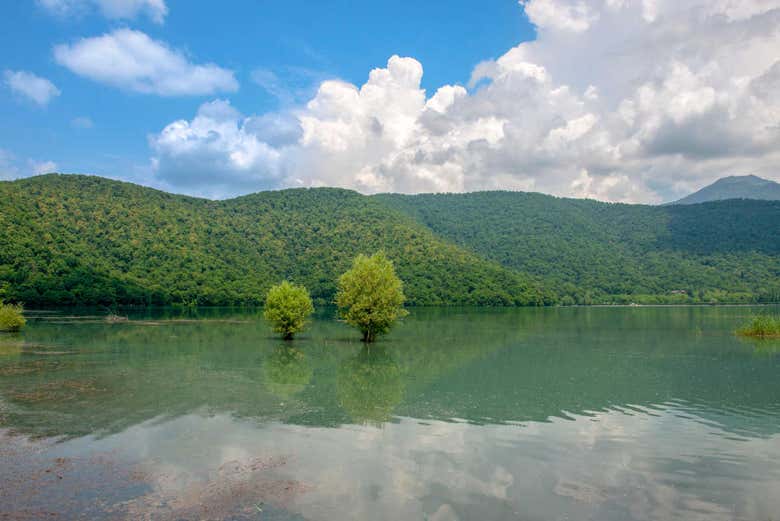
<point x="288" y="307"/>
<point x="761" y="326"/>
<point x="11" y="318"/>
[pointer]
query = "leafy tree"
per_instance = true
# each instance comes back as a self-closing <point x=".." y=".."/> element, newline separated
<point x="287" y="307"/>
<point x="370" y="295"/>
<point x="11" y="318"/>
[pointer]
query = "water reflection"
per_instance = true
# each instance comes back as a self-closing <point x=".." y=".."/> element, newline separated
<point x="610" y="414"/>
<point x="287" y="371"/>
<point x="369" y="385"/>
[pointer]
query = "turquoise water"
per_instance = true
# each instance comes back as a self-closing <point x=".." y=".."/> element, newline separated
<point x="563" y="413"/>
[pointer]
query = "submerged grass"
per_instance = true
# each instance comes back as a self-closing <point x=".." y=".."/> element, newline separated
<point x="761" y="326"/>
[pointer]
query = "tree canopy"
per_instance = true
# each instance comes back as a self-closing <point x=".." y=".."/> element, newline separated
<point x="370" y="295"/>
<point x="11" y="318"/>
<point x="288" y="307"/>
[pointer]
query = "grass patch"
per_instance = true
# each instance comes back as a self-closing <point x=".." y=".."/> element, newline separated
<point x="761" y="326"/>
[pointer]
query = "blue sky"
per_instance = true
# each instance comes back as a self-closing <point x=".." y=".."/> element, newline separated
<point x="299" y="41"/>
<point x="619" y="100"/>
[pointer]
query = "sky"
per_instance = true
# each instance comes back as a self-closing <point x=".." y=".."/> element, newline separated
<point x="618" y="100"/>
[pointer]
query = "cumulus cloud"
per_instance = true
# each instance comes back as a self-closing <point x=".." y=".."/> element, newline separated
<point x="133" y="61"/>
<point x="561" y="15"/>
<point x="216" y="154"/>
<point x="638" y="101"/>
<point x="156" y="10"/>
<point x="39" y="90"/>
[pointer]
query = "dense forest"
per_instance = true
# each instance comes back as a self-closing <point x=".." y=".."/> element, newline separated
<point x="69" y="239"/>
<point x="595" y="252"/>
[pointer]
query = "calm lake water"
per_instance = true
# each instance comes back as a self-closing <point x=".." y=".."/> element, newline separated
<point x="459" y="414"/>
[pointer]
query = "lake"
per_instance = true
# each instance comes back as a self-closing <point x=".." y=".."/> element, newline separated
<point x="603" y="413"/>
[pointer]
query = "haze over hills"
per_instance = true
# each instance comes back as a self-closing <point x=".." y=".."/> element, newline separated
<point x="735" y="187"/>
<point x="72" y="239"/>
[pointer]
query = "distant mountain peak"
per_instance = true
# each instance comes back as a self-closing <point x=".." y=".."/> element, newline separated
<point x="735" y="187"/>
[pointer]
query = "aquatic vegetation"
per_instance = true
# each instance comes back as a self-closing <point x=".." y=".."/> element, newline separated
<point x="761" y="326"/>
<point x="288" y="307"/>
<point x="11" y="318"/>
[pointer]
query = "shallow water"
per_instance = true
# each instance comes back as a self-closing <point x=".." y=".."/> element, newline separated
<point x="567" y="413"/>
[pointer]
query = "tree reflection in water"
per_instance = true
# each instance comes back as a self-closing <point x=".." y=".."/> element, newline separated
<point x="287" y="371"/>
<point x="369" y="385"/>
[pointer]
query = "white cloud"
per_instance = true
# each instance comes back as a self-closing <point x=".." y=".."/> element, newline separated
<point x="11" y="167"/>
<point x="214" y="154"/>
<point x="563" y="15"/>
<point x="156" y="10"/>
<point x="38" y="89"/>
<point x="130" y="60"/>
<point x="42" y="167"/>
<point x="615" y="99"/>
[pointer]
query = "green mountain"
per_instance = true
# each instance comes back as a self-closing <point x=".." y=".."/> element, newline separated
<point x="70" y="239"/>
<point x="595" y="252"/>
<point x="735" y="187"/>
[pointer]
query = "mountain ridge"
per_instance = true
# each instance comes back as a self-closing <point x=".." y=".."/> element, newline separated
<point x="67" y="239"/>
<point x="734" y="187"/>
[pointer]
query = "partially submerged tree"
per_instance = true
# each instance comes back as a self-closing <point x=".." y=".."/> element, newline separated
<point x="370" y="295"/>
<point x="11" y="318"/>
<point x="288" y="307"/>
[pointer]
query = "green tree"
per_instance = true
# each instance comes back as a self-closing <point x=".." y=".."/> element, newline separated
<point x="370" y="295"/>
<point x="287" y="307"/>
<point x="11" y="318"/>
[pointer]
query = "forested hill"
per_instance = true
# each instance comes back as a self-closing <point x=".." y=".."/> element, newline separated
<point x="593" y="252"/>
<point x="67" y="239"/>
